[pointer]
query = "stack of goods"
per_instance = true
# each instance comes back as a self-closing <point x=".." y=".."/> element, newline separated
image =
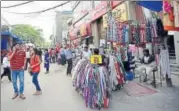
<point x="116" y="72"/>
<point x="93" y="83"/>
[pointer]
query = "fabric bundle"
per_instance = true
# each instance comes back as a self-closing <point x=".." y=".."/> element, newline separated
<point x="93" y="83"/>
<point x="116" y="72"/>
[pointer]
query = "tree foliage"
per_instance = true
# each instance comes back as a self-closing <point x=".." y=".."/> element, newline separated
<point x="29" y="33"/>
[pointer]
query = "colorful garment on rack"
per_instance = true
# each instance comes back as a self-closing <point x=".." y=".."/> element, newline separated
<point x="176" y="12"/>
<point x="168" y="16"/>
<point x="142" y="33"/>
<point x="148" y="32"/>
<point x="93" y="83"/>
<point x="136" y="33"/>
<point x="116" y="71"/>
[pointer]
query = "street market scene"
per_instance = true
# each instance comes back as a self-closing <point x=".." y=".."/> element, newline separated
<point x="90" y="55"/>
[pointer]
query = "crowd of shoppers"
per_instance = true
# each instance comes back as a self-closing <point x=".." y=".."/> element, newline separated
<point x="21" y="58"/>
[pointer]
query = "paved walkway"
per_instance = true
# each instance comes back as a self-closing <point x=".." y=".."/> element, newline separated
<point x="59" y="95"/>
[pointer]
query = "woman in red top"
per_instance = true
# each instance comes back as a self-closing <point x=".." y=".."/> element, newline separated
<point x="35" y="70"/>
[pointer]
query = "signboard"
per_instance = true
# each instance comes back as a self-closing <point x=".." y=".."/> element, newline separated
<point x="99" y="11"/>
<point x="120" y="14"/>
<point x="83" y="31"/>
<point x="96" y="59"/>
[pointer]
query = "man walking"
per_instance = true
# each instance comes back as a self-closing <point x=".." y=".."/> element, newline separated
<point x="68" y="54"/>
<point x="17" y="60"/>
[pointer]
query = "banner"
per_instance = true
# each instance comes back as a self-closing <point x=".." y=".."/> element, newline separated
<point x="120" y="14"/>
<point x="83" y="31"/>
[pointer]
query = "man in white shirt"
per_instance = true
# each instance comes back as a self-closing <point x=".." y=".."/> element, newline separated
<point x="86" y="53"/>
<point x="27" y="58"/>
<point x="6" y="66"/>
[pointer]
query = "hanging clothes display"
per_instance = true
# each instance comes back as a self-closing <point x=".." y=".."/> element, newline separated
<point x="164" y="62"/>
<point x="93" y="83"/>
<point x="135" y="30"/>
<point x="142" y="33"/>
<point x="168" y="16"/>
<point x="148" y="32"/>
<point x="176" y="12"/>
<point x="160" y="29"/>
<point x="116" y="72"/>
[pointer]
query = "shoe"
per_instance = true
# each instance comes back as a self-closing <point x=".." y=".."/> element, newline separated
<point x="22" y="96"/>
<point x="38" y="93"/>
<point x="15" y="96"/>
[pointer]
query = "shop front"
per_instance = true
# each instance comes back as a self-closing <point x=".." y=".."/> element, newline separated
<point x="98" y="29"/>
<point x="75" y="38"/>
<point x="85" y="33"/>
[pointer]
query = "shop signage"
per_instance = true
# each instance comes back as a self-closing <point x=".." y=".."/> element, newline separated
<point x="115" y="3"/>
<point x="99" y="11"/>
<point x="96" y="59"/>
<point x="74" y="34"/>
<point x="83" y="31"/>
<point x="120" y="14"/>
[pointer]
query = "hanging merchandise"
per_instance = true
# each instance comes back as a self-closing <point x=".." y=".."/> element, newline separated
<point x="125" y="33"/>
<point x="135" y="32"/>
<point x="142" y="33"/>
<point x="124" y="56"/>
<point x="93" y="83"/>
<point x="116" y="72"/>
<point x="160" y="29"/>
<point x="168" y="16"/>
<point x="164" y="62"/>
<point x="176" y="12"/>
<point x="148" y="32"/>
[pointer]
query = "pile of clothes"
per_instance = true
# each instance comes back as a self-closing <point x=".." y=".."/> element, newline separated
<point x="93" y="83"/>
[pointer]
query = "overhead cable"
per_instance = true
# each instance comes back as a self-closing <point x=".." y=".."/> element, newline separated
<point x="76" y="5"/>
<point x="41" y="11"/>
<point x="11" y="6"/>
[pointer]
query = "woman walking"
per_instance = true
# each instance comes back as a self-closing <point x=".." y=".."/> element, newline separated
<point x="47" y="61"/>
<point x="35" y="70"/>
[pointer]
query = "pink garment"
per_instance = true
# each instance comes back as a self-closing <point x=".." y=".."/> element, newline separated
<point x="142" y="33"/>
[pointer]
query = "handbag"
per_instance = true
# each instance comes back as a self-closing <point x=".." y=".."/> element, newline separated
<point x="30" y="71"/>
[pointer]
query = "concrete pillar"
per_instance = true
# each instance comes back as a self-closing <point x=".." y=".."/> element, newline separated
<point x="176" y="40"/>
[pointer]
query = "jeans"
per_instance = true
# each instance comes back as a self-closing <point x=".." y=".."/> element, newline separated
<point x="18" y="74"/>
<point x="35" y="81"/>
<point x="70" y="66"/>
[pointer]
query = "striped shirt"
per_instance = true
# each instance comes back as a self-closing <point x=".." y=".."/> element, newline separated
<point x="18" y="60"/>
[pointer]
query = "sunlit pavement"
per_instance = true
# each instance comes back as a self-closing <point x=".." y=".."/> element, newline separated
<point x="59" y="95"/>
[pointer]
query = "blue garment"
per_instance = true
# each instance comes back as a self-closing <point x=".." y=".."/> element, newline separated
<point x="152" y="5"/>
<point x="4" y="43"/>
<point x="35" y="81"/>
<point x="47" y="61"/>
<point x="68" y="54"/>
<point x="18" y="74"/>
<point x="63" y="59"/>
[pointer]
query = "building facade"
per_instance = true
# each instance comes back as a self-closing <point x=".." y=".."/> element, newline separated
<point x="61" y="26"/>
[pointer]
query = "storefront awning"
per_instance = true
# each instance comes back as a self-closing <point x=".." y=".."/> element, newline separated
<point x="151" y="5"/>
<point x="5" y="33"/>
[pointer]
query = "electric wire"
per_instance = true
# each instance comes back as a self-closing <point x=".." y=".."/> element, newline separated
<point x="41" y="11"/>
<point x="11" y="6"/>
